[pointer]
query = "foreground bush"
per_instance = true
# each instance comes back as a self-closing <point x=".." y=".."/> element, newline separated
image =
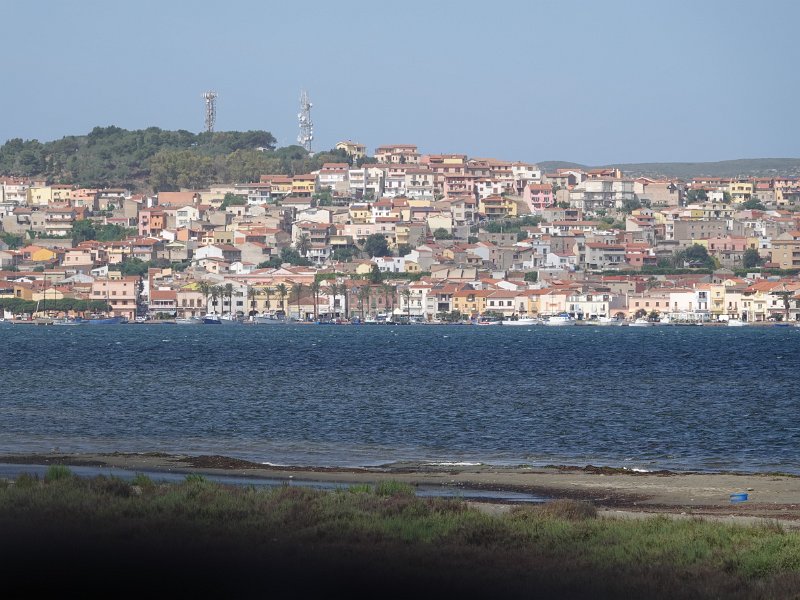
<point x="90" y="536"/>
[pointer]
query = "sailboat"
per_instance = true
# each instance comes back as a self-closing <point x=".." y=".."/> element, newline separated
<point x="44" y="320"/>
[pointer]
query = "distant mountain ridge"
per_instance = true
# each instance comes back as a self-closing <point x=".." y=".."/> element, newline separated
<point x="745" y="167"/>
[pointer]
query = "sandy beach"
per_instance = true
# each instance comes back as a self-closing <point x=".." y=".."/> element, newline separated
<point x="621" y="493"/>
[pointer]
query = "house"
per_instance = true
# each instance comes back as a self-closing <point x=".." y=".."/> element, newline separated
<point x="785" y="250"/>
<point x="122" y="295"/>
<point x="397" y="154"/>
<point x="497" y="207"/>
<point x="538" y="196"/>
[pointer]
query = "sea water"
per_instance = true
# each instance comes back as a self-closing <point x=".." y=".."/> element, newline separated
<point x="685" y="398"/>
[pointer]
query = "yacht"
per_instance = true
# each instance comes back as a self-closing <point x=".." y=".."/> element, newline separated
<point x="641" y="322"/>
<point x="560" y="319"/>
<point x="736" y="323"/>
<point x="520" y="322"/>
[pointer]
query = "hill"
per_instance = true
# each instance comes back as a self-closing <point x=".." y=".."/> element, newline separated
<point x="747" y="167"/>
<point x="155" y="159"/>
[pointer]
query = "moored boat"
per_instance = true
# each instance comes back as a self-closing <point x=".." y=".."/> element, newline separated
<point x="105" y="321"/>
<point x="641" y="322"/>
<point x="559" y="320"/>
<point x="521" y="321"/>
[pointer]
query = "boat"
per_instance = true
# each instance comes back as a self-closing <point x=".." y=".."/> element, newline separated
<point x="269" y="320"/>
<point x="641" y="322"/>
<point x="488" y="321"/>
<point x="105" y="321"/>
<point x="521" y="321"/>
<point x="68" y="321"/>
<point x="559" y="319"/>
<point x="188" y="321"/>
<point x="608" y="321"/>
<point x="736" y="323"/>
<point x="211" y="319"/>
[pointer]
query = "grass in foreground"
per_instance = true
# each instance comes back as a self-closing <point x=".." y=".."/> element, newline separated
<point x="246" y="542"/>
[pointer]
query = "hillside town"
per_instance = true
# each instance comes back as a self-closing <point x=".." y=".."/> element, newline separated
<point x="410" y="237"/>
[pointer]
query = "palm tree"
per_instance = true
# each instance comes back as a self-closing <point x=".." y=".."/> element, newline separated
<point x="303" y="244"/>
<point x="406" y="294"/>
<point x="268" y="291"/>
<point x="204" y="288"/>
<point x="297" y="290"/>
<point x="363" y="298"/>
<point x="388" y="292"/>
<point x="283" y="291"/>
<point x="315" y="287"/>
<point x="346" y="293"/>
<point x="332" y="292"/>
<point x="215" y="292"/>
<point x="229" y="294"/>
<point x="251" y="295"/>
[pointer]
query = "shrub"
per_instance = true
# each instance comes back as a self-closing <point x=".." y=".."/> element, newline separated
<point x="571" y="510"/>
<point x="57" y="473"/>
<point x="113" y="486"/>
<point x="394" y="488"/>
<point x="26" y="481"/>
<point x="142" y="481"/>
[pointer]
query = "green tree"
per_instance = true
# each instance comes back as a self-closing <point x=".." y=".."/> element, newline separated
<point x="404" y="249"/>
<point x="303" y="244"/>
<point x="315" y="289"/>
<point x="388" y="297"/>
<point x="695" y="257"/>
<point x="216" y="292"/>
<point x="753" y="204"/>
<point x="376" y="245"/>
<point x="532" y="276"/>
<point x="204" y="288"/>
<point x="374" y="274"/>
<point x="228" y="291"/>
<point x="297" y="292"/>
<point x="252" y="294"/>
<point x="283" y="291"/>
<point x="363" y="295"/>
<point x="629" y="205"/>
<point x="83" y="230"/>
<point x="442" y="234"/>
<point x="751" y="259"/>
<point x="292" y="256"/>
<point x="343" y="254"/>
<point x="406" y="294"/>
<point x="231" y="199"/>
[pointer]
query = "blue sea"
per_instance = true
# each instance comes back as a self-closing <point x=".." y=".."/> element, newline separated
<point x="684" y="398"/>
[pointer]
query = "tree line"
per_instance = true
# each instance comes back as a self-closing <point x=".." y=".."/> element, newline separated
<point x="158" y="160"/>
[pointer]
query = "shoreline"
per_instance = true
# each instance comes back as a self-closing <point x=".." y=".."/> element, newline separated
<point x="615" y="492"/>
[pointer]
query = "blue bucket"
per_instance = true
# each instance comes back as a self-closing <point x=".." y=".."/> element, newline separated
<point x="741" y="497"/>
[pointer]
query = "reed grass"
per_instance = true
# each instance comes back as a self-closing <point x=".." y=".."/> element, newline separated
<point x="385" y="533"/>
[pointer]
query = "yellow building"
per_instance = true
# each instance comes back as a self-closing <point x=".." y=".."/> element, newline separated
<point x="470" y="302"/>
<point x="360" y="214"/>
<point x="740" y="191"/>
<point x="353" y="149"/>
<point x="304" y="185"/>
<point x="497" y="207"/>
<point x="40" y="195"/>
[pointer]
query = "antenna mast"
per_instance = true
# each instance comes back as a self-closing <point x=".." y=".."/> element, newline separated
<point x="306" y="126"/>
<point x="211" y="109"/>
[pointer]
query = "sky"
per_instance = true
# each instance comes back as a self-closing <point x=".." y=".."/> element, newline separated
<point x="532" y="80"/>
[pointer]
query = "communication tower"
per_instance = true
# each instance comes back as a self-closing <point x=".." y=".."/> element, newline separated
<point x="306" y="126"/>
<point x="210" y="98"/>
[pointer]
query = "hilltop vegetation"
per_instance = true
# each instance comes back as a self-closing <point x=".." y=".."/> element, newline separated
<point x="748" y="167"/>
<point x="156" y="159"/>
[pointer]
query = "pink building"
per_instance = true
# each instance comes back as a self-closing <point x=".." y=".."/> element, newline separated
<point x="538" y="196"/>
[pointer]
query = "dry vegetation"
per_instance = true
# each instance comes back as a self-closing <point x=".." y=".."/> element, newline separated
<point x="106" y="536"/>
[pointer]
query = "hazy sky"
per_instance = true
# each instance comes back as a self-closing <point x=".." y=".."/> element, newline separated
<point x="587" y="81"/>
